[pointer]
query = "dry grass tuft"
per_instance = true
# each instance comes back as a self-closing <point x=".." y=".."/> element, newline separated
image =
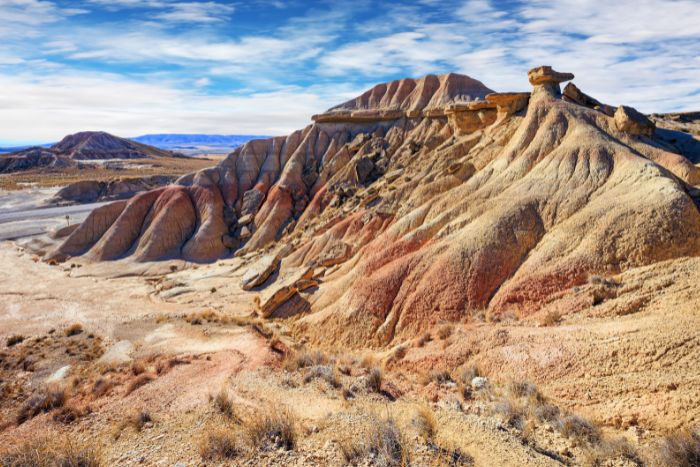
<point x="385" y="444"/>
<point x="451" y="457"/>
<point x="581" y="430"/>
<point x="224" y="405"/>
<point x="136" y="421"/>
<point x="399" y="352"/>
<point x="47" y="400"/>
<point x="424" y="339"/>
<point x="440" y="376"/>
<point x="552" y="318"/>
<point x="101" y="386"/>
<point x="324" y="372"/>
<point x="679" y="449"/>
<point x="374" y="379"/>
<point x="69" y="414"/>
<point x="304" y="359"/>
<point x="45" y="453"/>
<point x="140" y="380"/>
<point x="220" y="443"/>
<point x="613" y="452"/>
<point x="527" y="391"/>
<point x="138" y="367"/>
<point x="14" y="340"/>
<point x="425" y="422"/>
<point x="445" y="331"/>
<point x="74" y="329"/>
<point x="271" y="429"/>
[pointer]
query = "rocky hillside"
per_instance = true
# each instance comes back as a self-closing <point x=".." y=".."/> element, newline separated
<point x="88" y="145"/>
<point x="427" y="200"/>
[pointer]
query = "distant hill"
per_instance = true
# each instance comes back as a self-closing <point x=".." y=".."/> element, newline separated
<point x="22" y="148"/>
<point x="87" y="145"/>
<point x="196" y="144"/>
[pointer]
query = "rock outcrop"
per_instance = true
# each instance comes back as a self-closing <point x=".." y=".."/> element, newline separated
<point x="573" y="94"/>
<point x="633" y="122"/>
<point x="90" y="191"/>
<point x="88" y="145"/>
<point x="446" y="209"/>
<point x="545" y="79"/>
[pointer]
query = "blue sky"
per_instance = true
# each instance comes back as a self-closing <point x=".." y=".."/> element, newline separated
<point x="264" y="67"/>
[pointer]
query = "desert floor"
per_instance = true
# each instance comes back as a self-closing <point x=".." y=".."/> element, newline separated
<point x="167" y="338"/>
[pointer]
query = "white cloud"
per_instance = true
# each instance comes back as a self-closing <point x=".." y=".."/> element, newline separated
<point x="47" y="107"/>
<point x="196" y="12"/>
<point x="210" y="78"/>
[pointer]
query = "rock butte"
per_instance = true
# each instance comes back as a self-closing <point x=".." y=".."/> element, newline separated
<point x="425" y="200"/>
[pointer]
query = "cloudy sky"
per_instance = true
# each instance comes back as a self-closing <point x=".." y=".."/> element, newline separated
<point x="263" y="67"/>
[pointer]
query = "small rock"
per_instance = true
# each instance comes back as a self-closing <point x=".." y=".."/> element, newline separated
<point x="260" y="271"/>
<point x="633" y="122"/>
<point x="480" y="382"/>
<point x="59" y="374"/>
<point x="245" y="233"/>
<point x="245" y="220"/>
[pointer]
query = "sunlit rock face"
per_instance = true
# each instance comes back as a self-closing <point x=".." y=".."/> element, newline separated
<point x="428" y="199"/>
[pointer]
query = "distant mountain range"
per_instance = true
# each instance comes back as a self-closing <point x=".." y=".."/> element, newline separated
<point x="195" y="144"/>
<point x="22" y="148"/>
<point x="189" y="144"/>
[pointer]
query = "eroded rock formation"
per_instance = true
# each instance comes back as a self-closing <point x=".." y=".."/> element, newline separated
<point x="424" y="200"/>
<point x="90" y="191"/>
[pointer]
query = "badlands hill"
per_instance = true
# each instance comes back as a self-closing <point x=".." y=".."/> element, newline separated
<point x="88" y="145"/>
<point x="426" y="200"/>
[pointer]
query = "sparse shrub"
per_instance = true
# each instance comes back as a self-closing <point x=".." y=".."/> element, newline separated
<point x="140" y="419"/>
<point x="469" y="373"/>
<point x="220" y="443"/>
<point x="136" y="420"/>
<point x="400" y="352"/>
<point x="368" y="361"/>
<point x="440" y="376"/>
<point x="138" y="367"/>
<point x="46" y="453"/>
<point x="445" y="331"/>
<point x="48" y="399"/>
<point x="74" y="329"/>
<point x="679" y="449"/>
<point x="384" y="443"/>
<point x="68" y="414"/>
<point x="613" y="450"/>
<point x="141" y="380"/>
<point x="271" y="429"/>
<point x="425" y="422"/>
<point x="513" y="413"/>
<point x="547" y="412"/>
<point x="552" y="318"/>
<point x="580" y="429"/>
<point x="424" y="339"/>
<point x="325" y="373"/>
<point x="101" y="386"/>
<point x="525" y="390"/>
<point x="451" y="457"/>
<point x="345" y="369"/>
<point x="304" y="359"/>
<point x="14" y="340"/>
<point x="224" y="404"/>
<point x="374" y="380"/>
